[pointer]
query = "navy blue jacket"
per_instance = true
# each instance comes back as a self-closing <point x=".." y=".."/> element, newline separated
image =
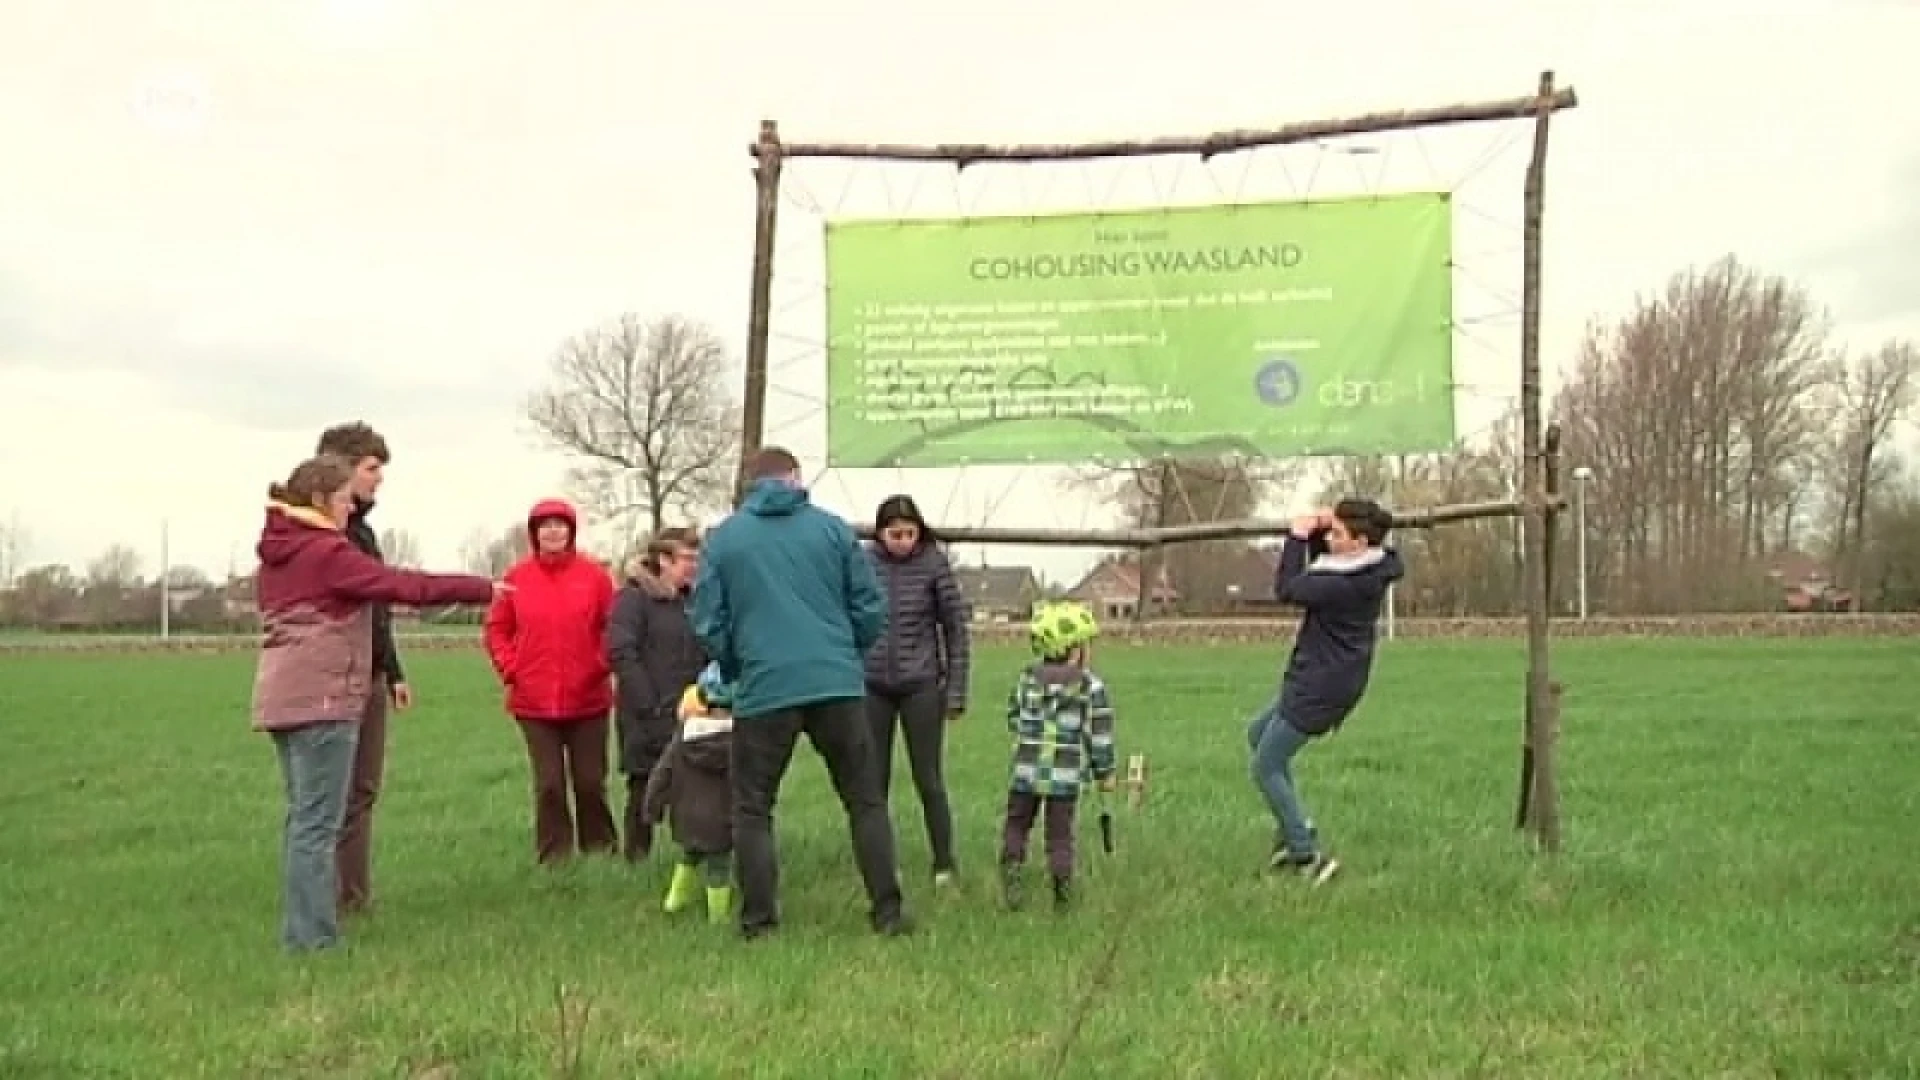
<point x="1333" y="650"/>
<point x="927" y="641"/>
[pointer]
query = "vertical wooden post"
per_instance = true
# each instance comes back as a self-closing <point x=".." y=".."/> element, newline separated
<point x="767" y="155"/>
<point x="1528" y="773"/>
<point x="1546" y="782"/>
<point x="1146" y="567"/>
<point x="1136" y="780"/>
<point x="1542" y="819"/>
<point x="1552" y="554"/>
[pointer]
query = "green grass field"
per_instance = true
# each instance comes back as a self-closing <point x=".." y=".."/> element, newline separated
<point x="1740" y="894"/>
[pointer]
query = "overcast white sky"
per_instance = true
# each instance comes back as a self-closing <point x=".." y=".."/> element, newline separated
<point x="225" y="224"/>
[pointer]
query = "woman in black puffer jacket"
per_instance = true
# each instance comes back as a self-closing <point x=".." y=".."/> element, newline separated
<point x="917" y="672"/>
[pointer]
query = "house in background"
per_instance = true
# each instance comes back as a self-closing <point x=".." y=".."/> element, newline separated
<point x="1806" y="584"/>
<point x="1249" y="581"/>
<point x="1112" y="589"/>
<point x="999" y="594"/>
<point x="237" y="598"/>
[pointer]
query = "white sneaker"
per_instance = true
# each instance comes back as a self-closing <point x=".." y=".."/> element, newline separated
<point x="1313" y="869"/>
<point x="1320" y="869"/>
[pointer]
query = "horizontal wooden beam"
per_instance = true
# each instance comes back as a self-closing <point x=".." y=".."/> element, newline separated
<point x="1234" y="529"/>
<point x="1206" y="146"/>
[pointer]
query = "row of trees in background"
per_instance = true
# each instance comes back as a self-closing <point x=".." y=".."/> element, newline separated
<point x="1727" y="444"/>
<point x="642" y="408"/>
<point x="1724" y="431"/>
<point x="113" y="592"/>
<point x="1723" y="427"/>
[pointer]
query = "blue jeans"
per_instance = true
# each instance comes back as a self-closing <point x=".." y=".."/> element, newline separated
<point x="1273" y="742"/>
<point x="316" y="763"/>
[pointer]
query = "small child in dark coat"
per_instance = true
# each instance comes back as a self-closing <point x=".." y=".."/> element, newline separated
<point x="692" y="788"/>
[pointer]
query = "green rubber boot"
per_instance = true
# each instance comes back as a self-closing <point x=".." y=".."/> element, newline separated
<point x="680" y="893"/>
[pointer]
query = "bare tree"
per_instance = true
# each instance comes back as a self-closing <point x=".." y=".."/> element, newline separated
<point x="1694" y="412"/>
<point x="1870" y="394"/>
<point x="1470" y="568"/>
<point x="1890" y="549"/>
<point x="490" y="552"/>
<point x="400" y="548"/>
<point x="111" y="584"/>
<point x="118" y="567"/>
<point x="642" y="407"/>
<point x="181" y="578"/>
<point x="13" y="548"/>
<point x="45" y="595"/>
<point x="1184" y="491"/>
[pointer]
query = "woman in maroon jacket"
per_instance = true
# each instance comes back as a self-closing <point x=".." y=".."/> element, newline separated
<point x="547" y="640"/>
<point x="315" y="670"/>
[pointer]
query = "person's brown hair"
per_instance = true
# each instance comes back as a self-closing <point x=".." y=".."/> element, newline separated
<point x="1365" y="519"/>
<point x="772" y="463"/>
<point x="356" y="442"/>
<point x="668" y="543"/>
<point x="312" y="481"/>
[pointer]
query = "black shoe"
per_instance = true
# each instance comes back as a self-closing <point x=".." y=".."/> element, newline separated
<point x="639" y="844"/>
<point x="895" y="925"/>
<point x="757" y="931"/>
<point x="1062" y="893"/>
<point x="1012" y="889"/>
<point x="1281" y="855"/>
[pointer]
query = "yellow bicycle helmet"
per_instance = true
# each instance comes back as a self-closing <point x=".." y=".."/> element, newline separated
<point x="1060" y="626"/>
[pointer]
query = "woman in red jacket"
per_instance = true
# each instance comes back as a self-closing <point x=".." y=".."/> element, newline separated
<point x="547" y="640"/>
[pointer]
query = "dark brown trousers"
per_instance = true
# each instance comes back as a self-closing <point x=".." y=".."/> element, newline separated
<point x="354" y="854"/>
<point x="569" y="754"/>
<point x="1022" y="809"/>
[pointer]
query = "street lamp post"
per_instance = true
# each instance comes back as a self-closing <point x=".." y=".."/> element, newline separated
<point x="1580" y="477"/>
<point x="166" y="587"/>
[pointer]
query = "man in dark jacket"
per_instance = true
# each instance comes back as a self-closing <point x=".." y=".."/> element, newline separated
<point x="367" y="451"/>
<point x="1333" y="566"/>
<point x="787" y="605"/>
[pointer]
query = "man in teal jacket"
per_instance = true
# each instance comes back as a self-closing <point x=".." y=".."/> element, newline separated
<point x="787" y="605"/>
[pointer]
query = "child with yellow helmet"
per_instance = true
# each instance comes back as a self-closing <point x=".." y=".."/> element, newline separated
<point x="691" y="787"/>
<point x="1062" y="723"/>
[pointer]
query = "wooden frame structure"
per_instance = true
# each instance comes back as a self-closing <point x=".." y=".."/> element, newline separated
<point x="1540" y="499"/>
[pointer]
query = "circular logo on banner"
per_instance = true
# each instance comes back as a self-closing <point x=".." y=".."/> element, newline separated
<point x="1277" y="381"/>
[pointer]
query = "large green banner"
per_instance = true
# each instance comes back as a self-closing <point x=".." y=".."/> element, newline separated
<point x="1272" y="330"/>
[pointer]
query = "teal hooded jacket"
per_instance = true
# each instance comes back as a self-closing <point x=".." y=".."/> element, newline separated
<point x="786" y="603"/>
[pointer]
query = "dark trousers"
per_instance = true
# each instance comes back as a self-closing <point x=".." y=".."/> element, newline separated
<point x="636" y="835"/>
<point x="922" y="716"/>
<point x="763" y="747"/>
<point x="354" y="855"/>
<point x="640" y="749"/>
<point x="1022" y="809"/>
<point x="569" y="753"/>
